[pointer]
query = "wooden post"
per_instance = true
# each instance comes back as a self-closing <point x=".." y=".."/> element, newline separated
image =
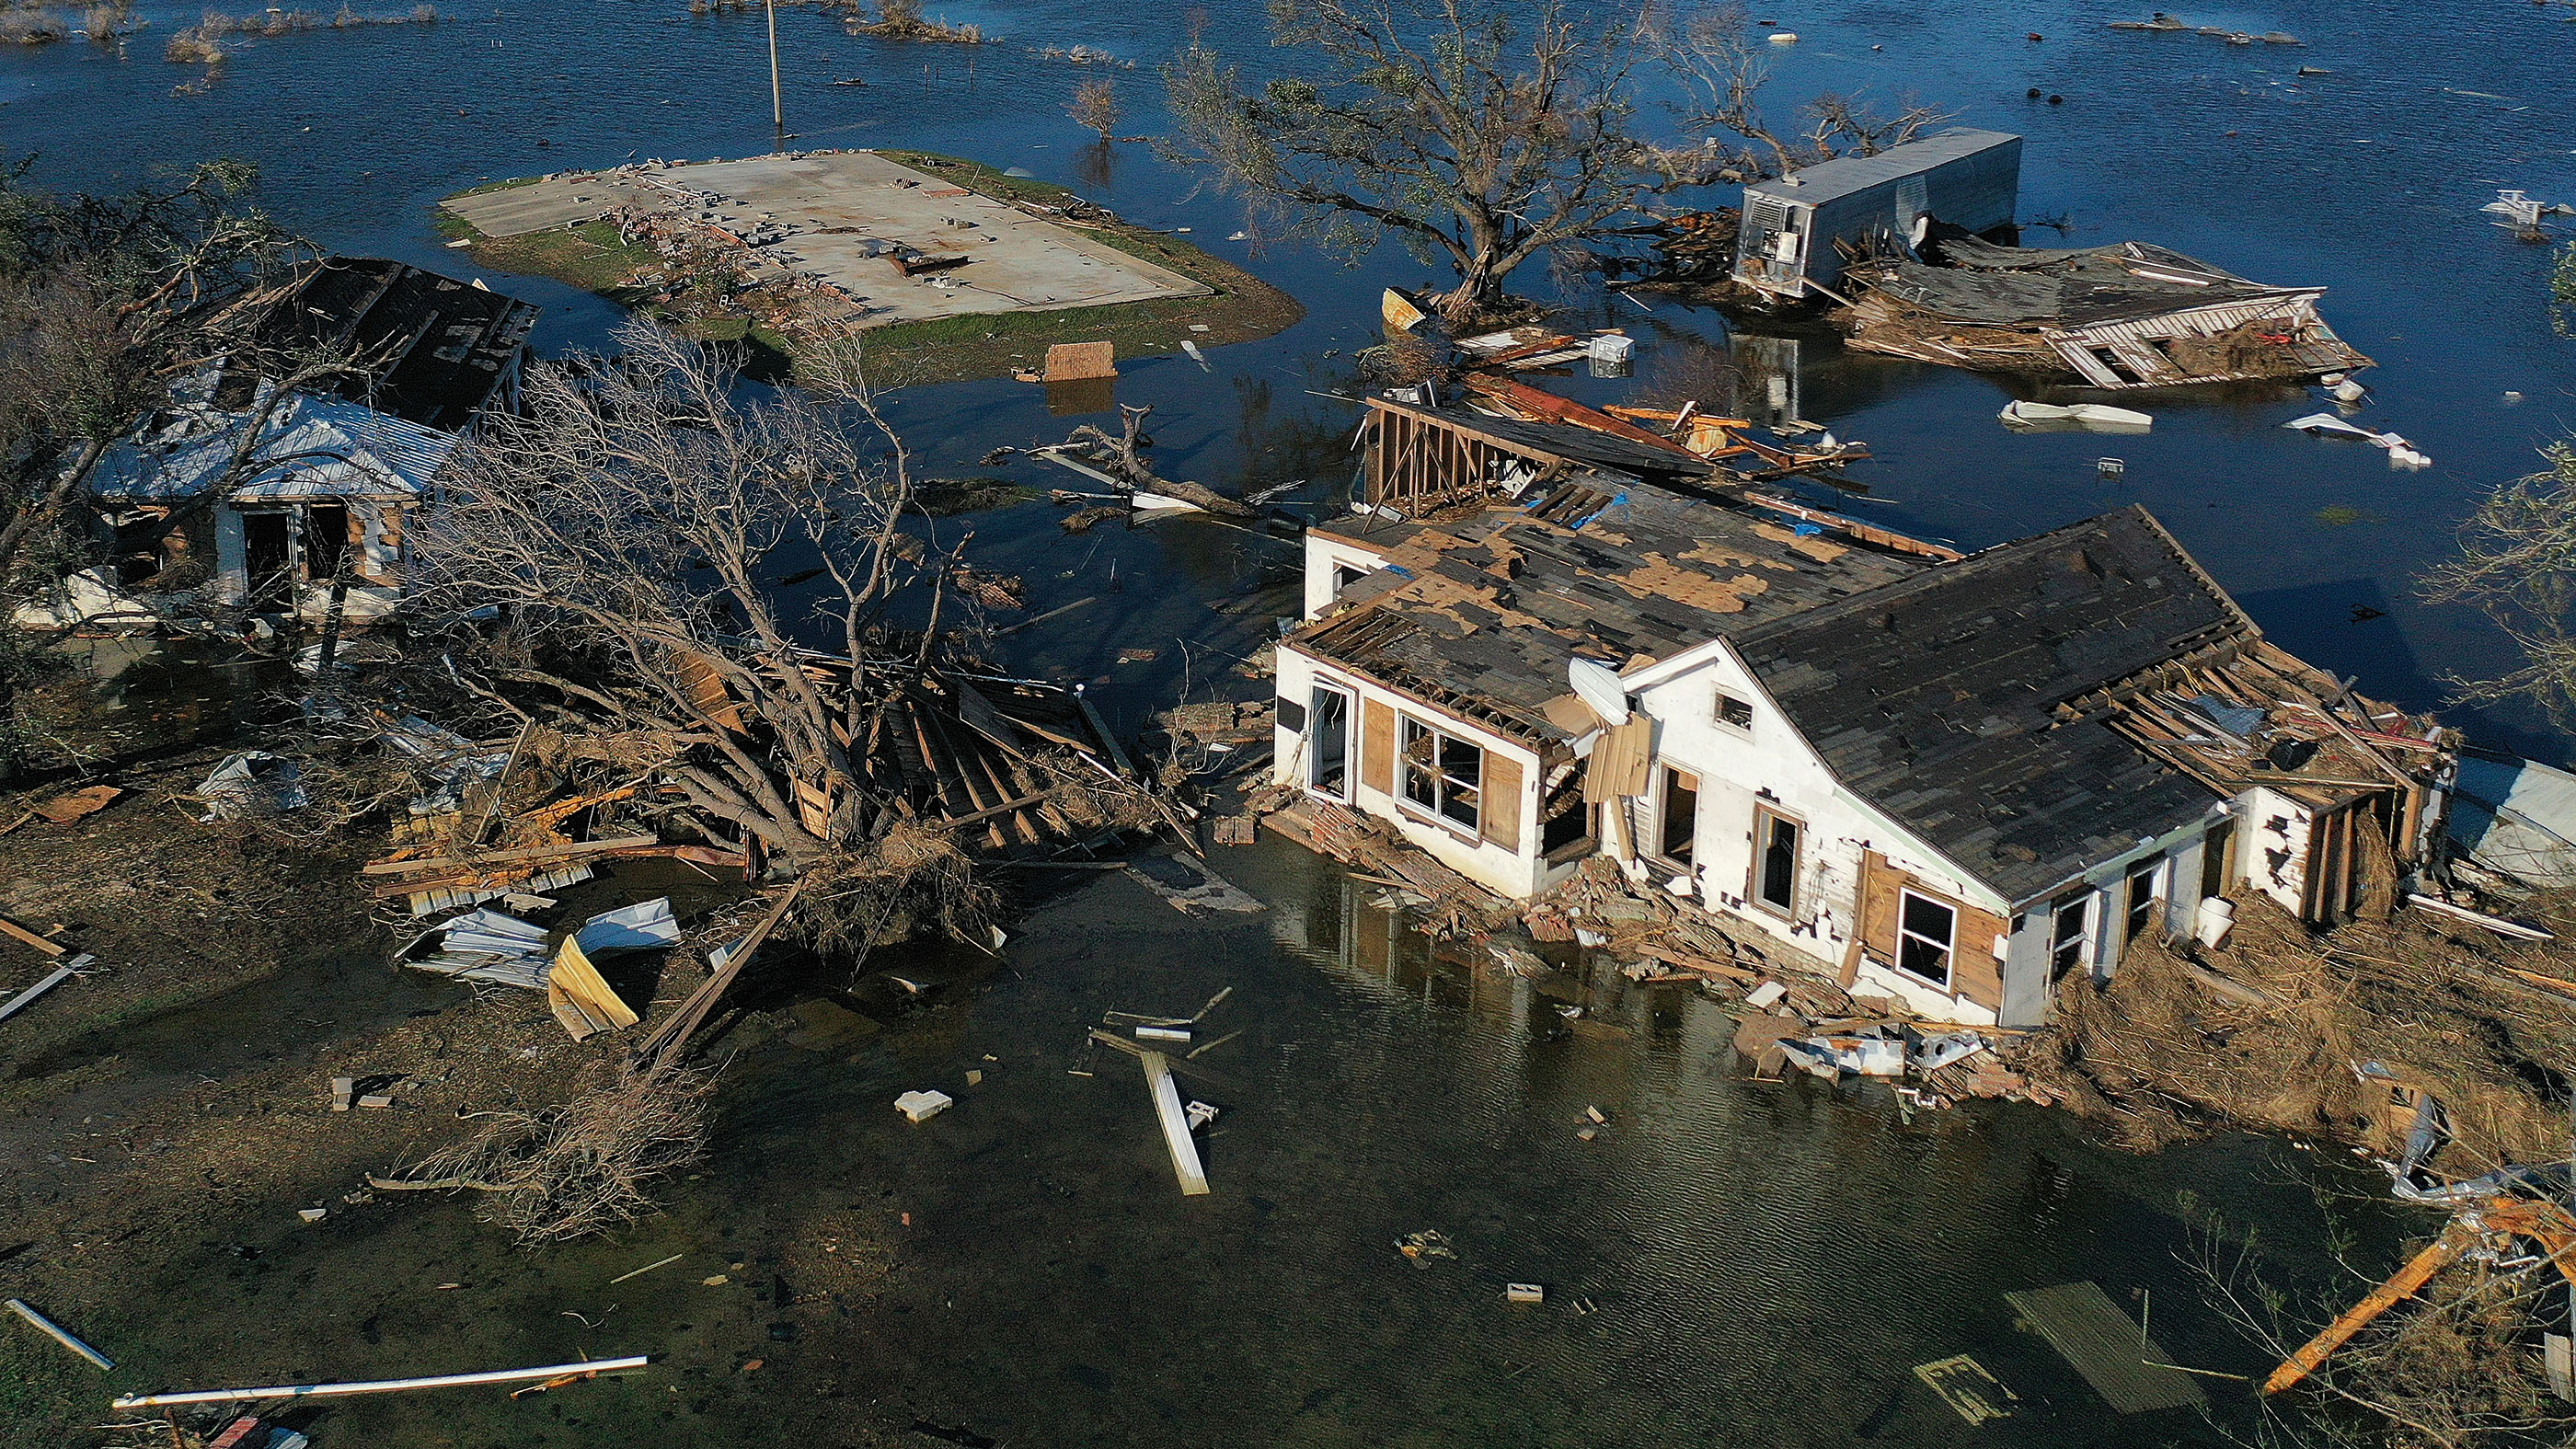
<point x="777" y="107"/>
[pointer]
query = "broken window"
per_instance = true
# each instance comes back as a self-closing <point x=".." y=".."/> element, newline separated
<point x="1330" y="741"/>
<point x="326" y="541"/>
<point x="2143" y="893"/>
<point x="2070" y="934"/>
<point x="1344" y="576"/>
<point x="1567" y="816"/>
<point x="1776" y="839"/>
<point x="1442" y="773"/>
<point x="1733" y="712"/>
<point x="1680" y="815"/>
<point x="1926" y="932"/>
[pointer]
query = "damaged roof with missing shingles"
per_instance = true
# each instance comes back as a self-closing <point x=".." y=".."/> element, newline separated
<point x="1482" y="615"/>
<point x="1935" y="696"/>
<point x="2075" y="287"/>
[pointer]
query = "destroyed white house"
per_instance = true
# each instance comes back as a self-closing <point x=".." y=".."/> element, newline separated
<point x="231" y="497"/>
<point x="1949" y="780"/>
<point x="2126" y="316"/>
<point x="1798" y="232"/>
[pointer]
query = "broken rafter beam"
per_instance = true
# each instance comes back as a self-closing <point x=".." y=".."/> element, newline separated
<point x="568" y="850"/>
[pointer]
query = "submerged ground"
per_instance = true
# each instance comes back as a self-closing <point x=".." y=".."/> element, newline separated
<point x="1769" y="1261"/>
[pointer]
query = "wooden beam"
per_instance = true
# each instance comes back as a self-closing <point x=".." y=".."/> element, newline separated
<point x="13" y="929"/>
<point x="568" y="850"/>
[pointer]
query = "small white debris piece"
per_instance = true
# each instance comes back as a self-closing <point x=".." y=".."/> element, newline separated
<point x="1765" y="994"/>
<point x="974" y="1078"/>
<point x="376" y="1099"/>
<point x="1599" y="1117"/>
<point x="1199" y="1114"/>
<point x="1162" y="1033"/>
<point x="922" y="1106"/>
<point x="1524" y="1293"/>
<point x="313" y="1215"/>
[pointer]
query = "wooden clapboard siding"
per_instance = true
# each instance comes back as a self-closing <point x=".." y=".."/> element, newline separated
<point x="1500" y="821"/>
<point x="1377" y="747"/>
<point x="1975" y="971"/>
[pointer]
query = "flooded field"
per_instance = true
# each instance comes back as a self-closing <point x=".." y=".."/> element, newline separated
<point x="1769" y="1262"/>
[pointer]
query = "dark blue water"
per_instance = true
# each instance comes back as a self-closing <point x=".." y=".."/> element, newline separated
<point x="1770" y="1261"/>
<point x="2366" y="180"/>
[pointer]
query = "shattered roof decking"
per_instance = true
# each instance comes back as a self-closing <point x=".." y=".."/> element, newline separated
<point x="2081" y="287"/>
<point x="436" y="349"/>
<point x="1935" y="696"/>
<point x="1483" y="614"/>
<point x="312" y="447"/>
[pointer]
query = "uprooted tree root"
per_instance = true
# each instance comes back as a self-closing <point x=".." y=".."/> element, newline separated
<point x="2285" y="1029"/>
<point x="582" y="1168"/>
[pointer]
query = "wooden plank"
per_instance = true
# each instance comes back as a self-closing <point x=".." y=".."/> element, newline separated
<point x="1377" y="746"/>
<point x="1500" y="795"/>
<point x="2107" y="1347"/>
<point x="12" y="928"/>
<point x="1176" y="1123"/>
<point x="566" y="851"/>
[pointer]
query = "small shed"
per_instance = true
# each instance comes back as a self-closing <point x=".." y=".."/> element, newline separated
<point x="1964" y="178"/>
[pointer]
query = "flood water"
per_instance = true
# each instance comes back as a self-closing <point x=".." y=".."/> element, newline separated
<point x="1769" y="1262"/>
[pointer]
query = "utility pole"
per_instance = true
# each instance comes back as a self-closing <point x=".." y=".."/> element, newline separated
<point x="777" y="108"/>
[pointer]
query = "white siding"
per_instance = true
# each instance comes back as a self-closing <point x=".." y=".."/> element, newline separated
<point x="1509" y="873"/>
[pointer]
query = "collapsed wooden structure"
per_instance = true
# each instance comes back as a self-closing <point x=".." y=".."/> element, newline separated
<point x="2131" y="315"/>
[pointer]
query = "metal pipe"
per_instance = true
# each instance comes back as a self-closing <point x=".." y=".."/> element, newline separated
<point x="380" y="1386"/>
<point x="55" y="1332"/>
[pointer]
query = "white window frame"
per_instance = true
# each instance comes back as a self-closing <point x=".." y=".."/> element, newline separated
<point x="2086" y="941"/>
<point x="1718" y="701"/>
<point x="1763" y="816"/>
<point x="1442" y="782"/>
<point x="1350" y="739"/>
<point x="1949" y="948"/>
<point x="2159" y="890"/>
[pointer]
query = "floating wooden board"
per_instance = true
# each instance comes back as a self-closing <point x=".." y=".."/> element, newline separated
<point x="1081" y="361"/>
<point x="1964" y="1385"/>
<point x="2107" y="1347"/>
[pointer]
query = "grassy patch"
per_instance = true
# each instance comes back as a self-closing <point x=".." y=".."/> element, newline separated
<point x="2336" y="515"/>
<point x="41" y="1384"/>
<point x="945" y="497"/>
<point x="1240" y="307"/>
<point x="588" y="256"/>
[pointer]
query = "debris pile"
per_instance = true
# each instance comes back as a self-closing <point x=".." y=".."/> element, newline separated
<point x="2342" y="1035"/>
<point x="2124" y="316"/>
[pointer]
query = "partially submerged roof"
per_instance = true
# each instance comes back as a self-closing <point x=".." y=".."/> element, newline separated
<point x="436" y="350"/>
<point x="311" y="447"/>
<point x="1935" y="696"/>
<point x="1481" y="615"/>
<point x="1829" y="180"/>
<point x="2078" y="287"/>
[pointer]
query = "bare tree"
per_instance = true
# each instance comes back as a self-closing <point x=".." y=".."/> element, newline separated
<point x="1478" y="130"/>
<point x="1095" y="106"/>
<point x="2517" y="565"/>
<point x="626" y="525"/>
<point x="1724" y="62"/>
<point x="104" y="302"/>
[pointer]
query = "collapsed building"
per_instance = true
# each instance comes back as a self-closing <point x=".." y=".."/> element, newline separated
<point x="237" y="495"/>
<point x="1949" y="779"/>
<point x="2127" y="316"/>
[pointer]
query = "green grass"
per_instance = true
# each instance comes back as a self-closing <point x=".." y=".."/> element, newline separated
<point x="1239" y="308"/>
<point x="2336" y="515"/>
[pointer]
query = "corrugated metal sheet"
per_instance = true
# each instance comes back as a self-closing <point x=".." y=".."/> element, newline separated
<point x="313" y="447"/>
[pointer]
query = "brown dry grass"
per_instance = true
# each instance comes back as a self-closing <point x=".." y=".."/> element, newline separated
<point x="2161" y="1056"/>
